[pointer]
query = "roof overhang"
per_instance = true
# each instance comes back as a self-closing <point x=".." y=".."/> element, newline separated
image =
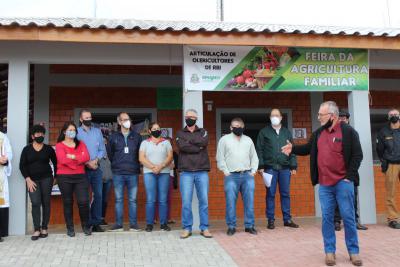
<point x="195" y="33"/>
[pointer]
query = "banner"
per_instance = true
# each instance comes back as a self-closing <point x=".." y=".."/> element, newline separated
<point x="244" y="68"/>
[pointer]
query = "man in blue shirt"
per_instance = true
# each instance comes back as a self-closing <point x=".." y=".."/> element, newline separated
<point x="93" y="139"/>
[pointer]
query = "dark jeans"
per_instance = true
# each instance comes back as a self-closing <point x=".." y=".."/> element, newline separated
<point x="40" y="198"/>
<point x="281" y="177"/>
<point x="106" y="190"/>
<point x="338" y="218"/>
<point x="78" y="184"/>
<point x="95" y="178"/>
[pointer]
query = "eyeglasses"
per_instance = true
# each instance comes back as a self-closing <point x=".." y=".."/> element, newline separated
<point x="322" y="115"/>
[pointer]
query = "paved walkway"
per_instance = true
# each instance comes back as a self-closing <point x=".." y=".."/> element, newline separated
<point x="380" y="246"/>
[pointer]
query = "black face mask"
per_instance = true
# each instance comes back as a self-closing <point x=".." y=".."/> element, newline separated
<point x="39" y="139"/>
<point x="87" y="123"/>
<point x="156" y="133"/>
<point x="237" y="131"/>
<point x="394" y="119"/>
<point x="328" y="124"/>
<point x="190" y="122"/>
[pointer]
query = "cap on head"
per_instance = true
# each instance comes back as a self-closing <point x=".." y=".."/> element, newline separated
<point x="344" y="113"/>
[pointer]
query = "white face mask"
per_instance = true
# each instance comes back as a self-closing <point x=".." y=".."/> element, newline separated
<point x="126" y="124"/>
<point x="275" y="121"/>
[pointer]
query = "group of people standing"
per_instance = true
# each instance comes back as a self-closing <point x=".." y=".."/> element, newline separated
<point x="335" y="156"/>
<point x="84" y="161"/>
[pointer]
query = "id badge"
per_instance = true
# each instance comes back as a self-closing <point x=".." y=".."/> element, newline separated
<point x="126" y="150"/>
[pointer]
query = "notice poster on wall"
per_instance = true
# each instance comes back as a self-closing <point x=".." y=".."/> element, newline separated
<point x="273" y="68"/>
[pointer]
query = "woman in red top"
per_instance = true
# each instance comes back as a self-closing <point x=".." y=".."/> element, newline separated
<point x="71" y="158"/>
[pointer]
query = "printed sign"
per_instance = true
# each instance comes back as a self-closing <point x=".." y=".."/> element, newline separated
<point x="245" y="68"/>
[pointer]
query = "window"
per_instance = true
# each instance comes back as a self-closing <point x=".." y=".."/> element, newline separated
<point x="106" y="118"/>
<point x="254" y="120"/>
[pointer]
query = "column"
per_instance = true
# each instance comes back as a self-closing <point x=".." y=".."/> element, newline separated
<point x="194" y="100"/>
<point x="17" y="131"/>
<point x="360" y="120"/>
<point x="316" y="98"/>
<point x="41" y="97"/>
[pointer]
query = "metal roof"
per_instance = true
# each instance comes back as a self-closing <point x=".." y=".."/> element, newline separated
<point x="193" y="26"/>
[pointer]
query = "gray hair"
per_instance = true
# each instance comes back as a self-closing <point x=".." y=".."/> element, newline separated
<point x="192" y="111"/>
<point x="332" y="107"/>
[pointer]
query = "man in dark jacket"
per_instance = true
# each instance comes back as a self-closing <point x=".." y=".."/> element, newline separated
<point x="388" y="149"/>
<point x="344" y="116"/>
<point x="335" y="156"/>
<point x="194" y="165"/>
<point x="124" y="157"/>
<point x="272" y="161"/>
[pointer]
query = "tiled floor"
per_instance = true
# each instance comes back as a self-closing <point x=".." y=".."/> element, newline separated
<point x="380" y="246"/>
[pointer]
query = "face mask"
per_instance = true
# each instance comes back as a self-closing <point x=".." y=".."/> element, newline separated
<point x="275" y="121"/>
<point x="190" y="122"/>
<point x="238" y="131"/>
<point x="328" y="124"/>
<point x="39" y="139"/>
<point x="156" y="133"/>
<point x="394" y="119"/>
<point x="126" y="124"/>
<point x="70" y="134"/>
<point x="87" y="123"/>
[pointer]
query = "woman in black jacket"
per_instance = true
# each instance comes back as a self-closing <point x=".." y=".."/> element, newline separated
<point x="38" y="174"/>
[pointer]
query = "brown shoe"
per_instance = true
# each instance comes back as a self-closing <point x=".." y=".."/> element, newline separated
<point x="356" y="259"/>
<point x="185" y="234"/>
<point x="330" y="259"/>
<point x="206" y="234"/>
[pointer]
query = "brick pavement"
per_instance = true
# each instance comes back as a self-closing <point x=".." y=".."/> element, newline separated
<point x="379" y="246"/>
<point x="280" y="247"/>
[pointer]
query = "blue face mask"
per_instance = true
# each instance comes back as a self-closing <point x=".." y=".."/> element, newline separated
<point x="70" y="134"/>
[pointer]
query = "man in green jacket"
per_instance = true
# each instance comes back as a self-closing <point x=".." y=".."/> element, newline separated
<point x="272" y="161"/>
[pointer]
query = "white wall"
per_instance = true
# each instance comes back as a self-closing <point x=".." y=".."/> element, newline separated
<point x="358" y="13"/>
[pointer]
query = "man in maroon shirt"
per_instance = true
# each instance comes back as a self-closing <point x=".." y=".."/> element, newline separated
<point x="335" y="156"/>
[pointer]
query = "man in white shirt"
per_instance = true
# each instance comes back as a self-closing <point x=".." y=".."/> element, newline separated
<point x="237" y="159"/>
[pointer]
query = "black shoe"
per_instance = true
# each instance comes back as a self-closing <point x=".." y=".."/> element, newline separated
<point x="165" y="227"/>
<point x="70" y="232"/>
<point x="231" y="231"/>
<point x="271" y="224"/>
<point x="361" y="227"/>
<point x="394" y="225"/>
<point x="103" y="223"/>
<point x="97" y="228"/>
<point x="116" y="228"/>
<point x="251" y="230"/>
<point x="135" y="228"/>
<point x="87" y="231"/>
<point x="43" y="235"/>
<point x="35" y="237"/>
<point x="291" y="224"/>
<point x="149" y="228"/>
<point x="337" y="226"/>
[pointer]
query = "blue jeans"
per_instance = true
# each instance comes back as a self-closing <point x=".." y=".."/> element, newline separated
<point x="96" y="184"/>
<point x="106" y="189"/>
<point x="130" y="181"/>
<point x="188" y="180"/>
<point x="233" y="184"/>
<point x="157" y="186"/>
<point x="343" y="194"/>
<point x="283" y="178"/>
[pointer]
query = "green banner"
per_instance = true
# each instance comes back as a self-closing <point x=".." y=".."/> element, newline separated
<point x="275" y="68"/>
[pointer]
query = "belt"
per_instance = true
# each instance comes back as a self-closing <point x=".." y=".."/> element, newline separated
<point x="241" y="172"/>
